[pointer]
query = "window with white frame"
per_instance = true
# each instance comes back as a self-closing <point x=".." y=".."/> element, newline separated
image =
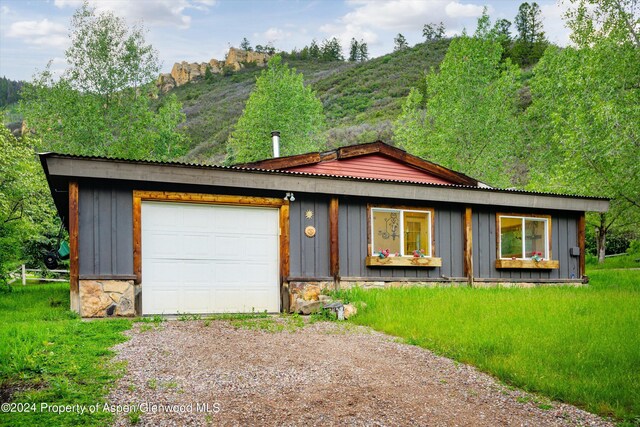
<point x="403" y="232"/>
<point x="524" y="237"/>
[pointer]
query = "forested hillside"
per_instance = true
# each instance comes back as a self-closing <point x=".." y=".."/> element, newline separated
<point x="361" y="100"/>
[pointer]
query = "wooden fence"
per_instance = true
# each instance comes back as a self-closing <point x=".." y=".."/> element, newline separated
<point x="25" y="274"/>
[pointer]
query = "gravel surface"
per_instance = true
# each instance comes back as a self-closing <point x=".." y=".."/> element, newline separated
<point x="321" y="374"/>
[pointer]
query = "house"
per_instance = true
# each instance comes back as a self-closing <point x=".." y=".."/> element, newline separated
<point x="166" y="237"/>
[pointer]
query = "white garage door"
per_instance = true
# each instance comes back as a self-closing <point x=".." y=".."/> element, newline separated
<point x="199" y="258"/>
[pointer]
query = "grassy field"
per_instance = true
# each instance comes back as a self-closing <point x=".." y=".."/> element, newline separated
<point x="577" y="345"/>
<point x="48" y="355"/>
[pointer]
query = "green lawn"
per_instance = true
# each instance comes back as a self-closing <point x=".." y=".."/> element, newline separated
<point x="577" y="345"/>
<point x="48" y="355"/>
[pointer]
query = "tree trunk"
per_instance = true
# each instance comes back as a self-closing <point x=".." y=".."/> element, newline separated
<point x="601" y="236"/>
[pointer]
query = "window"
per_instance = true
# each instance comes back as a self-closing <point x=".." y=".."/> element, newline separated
<point x="524" y="237"/>
<point x="404" y="232"/>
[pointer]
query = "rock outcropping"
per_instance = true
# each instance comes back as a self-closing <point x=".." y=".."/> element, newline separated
<point x="185" y="72"/>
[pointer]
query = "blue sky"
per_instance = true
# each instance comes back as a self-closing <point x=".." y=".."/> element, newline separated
<point x="34" y="32"/>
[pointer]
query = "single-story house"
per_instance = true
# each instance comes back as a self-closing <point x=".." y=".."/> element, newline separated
<point x="152" y="237"/>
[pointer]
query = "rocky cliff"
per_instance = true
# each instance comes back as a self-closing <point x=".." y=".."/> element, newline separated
<point x="184" y="72"/>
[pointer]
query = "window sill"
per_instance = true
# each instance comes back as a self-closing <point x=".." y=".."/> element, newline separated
<point x="528" y="264"/>
<point x="400" y="261"/>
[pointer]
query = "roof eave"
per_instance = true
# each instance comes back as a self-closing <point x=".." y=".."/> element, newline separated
<point x="110" y="169"/>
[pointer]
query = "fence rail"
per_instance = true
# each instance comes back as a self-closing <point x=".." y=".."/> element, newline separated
<point x="20" y="273"/>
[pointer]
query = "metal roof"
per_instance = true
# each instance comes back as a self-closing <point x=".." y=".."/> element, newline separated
<point x="338" y="177"/>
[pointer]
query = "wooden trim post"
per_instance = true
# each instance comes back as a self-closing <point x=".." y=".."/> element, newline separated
<point x="581" y="245"/>
<point x="334" y="246"/>
<point x="137" y="238"/>
<point x="74" y="284"/>
<point x="468" y="245"/>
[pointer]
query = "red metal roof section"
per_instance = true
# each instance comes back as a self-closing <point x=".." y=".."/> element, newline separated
<point x="371" y="166"/>
<point x="373" y="160"/>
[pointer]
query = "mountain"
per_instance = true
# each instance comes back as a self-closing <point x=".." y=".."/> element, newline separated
<point x="360" y="100"/>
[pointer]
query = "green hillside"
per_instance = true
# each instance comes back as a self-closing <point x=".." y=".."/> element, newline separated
<point x="360" y="100"/>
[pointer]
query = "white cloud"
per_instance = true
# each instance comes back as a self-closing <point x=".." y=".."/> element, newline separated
<point x="152" y="12"/>
<point x="4" y="10"/>
<point x="394" y="14"/>
<point x="459" y="10"/>
<point x="273" y="34"/>
<point x="39" y="33"/>
<point x="370" y="19"/>
<point x="553" y="22"/>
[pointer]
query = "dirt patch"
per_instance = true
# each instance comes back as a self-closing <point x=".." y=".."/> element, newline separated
<point x="321" y="374"/>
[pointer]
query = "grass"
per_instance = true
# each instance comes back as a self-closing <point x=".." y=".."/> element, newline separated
<point x="623" y="261"/>
<point x="48" y="355"/>
<point x="577" y="345"/>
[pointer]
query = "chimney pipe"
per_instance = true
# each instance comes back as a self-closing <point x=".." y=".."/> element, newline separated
<point x="275" y="137"/>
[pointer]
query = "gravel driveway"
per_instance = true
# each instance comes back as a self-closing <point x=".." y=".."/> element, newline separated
<point x="321" y="374"/>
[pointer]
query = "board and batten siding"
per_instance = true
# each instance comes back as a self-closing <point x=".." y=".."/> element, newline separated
<point x="564" y="232"/>
<point x="309" y="256"/>
<point x="353" y="233"/>
<point x="105" y="238"/>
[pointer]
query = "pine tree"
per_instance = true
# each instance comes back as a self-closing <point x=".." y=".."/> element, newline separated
<point x="531" y="41"/>
<point x="399" y="43"/>
<point x="364" y="51"/>
<point x="354" y="51"/>
<point x="433" y="32"/>
<point x="245" y="45"/>
<point x="314" y="50"/>
<point x="332" y="50"/>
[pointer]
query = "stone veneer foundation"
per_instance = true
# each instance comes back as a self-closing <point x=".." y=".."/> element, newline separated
<point x="107" y="298"/>
<point x="306" y="289"/>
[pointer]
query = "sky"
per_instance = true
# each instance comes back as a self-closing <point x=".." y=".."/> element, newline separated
<point x="32" y="33"/>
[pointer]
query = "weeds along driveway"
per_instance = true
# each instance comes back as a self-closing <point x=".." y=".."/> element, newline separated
<point x="275" y="372"/>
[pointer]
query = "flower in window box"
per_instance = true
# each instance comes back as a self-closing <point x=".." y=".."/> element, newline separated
<point x="383" y="253"/>
<point x="537" y="257"/>
<point x="419" y="253"/>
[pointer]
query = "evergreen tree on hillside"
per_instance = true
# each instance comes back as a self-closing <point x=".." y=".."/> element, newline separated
<point x="358" y="51"/>
<point x="354" y="51"/>
<point x="531" y="41"/>
<point x="400" y="43"/>
<point x="433" y="31"/>
<point x="331" y="50"/>
<point x="245" y="45"/>
<point x="9" y="91"/>
<point x="279" y="101"/>
<point x="314" y="50"/>
<point x="364" y="51"/>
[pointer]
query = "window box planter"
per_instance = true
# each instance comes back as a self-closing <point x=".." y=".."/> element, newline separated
<point x="401" y="261"/>
<point x="528" y="264"/>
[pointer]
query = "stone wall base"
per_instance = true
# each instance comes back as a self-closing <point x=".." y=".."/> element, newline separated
<point x="309" y="290"/>
<point x="107" y="298"/>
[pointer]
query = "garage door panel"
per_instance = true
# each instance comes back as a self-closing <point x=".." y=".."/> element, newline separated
<point x="161" y="244"/>
<point x="207" y="258"/>
<point x="195" y="246"/>
<point x="161" y="301"/>
<point x="234" y="301"/>
<point x="165" y="215"/>
<point x="196" y="301"/>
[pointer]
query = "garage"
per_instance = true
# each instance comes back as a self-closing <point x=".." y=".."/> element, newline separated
<point x="208" y="258"/>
